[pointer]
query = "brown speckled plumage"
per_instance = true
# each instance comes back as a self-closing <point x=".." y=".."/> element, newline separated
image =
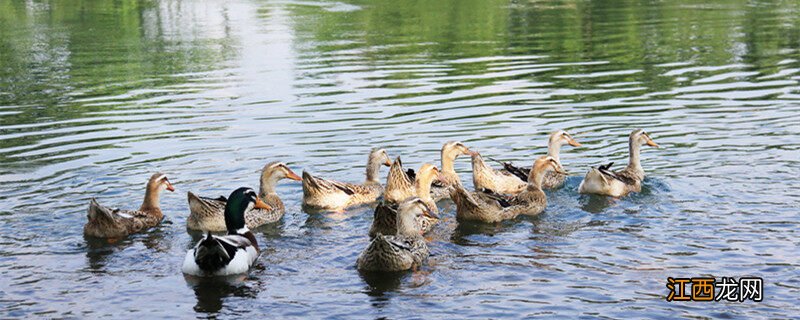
<point x="490" y="207"/>
<point x="207" y="214"/>
<point x="105" y="222"/>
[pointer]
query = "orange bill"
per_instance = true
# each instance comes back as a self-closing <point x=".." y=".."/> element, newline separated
<point x="387" y="163"/>
<point x="293" y="176"/>
<point x="261" y="205"/>
<point x="652" y="143"/>
<point x="574" y="143"/>
<point x="169" y="186"/>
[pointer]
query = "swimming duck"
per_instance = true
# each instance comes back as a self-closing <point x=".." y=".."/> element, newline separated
<point x="105" y="222"/>
<point x="486" y="177"/>
<point x="487" y="206"/>
<point x="207" y="214"/>
<point x="551" y="180"/>
<point x="399" y="188"/>
<point x="404" y="249"/>
<point x="449" y="178"/>
<point x="233" y="253"/>
<point x="333" y="195"/>
<point x="385" y="218"/>
<point x="603" y="181"/>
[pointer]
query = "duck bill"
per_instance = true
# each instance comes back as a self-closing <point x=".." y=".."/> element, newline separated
<point x="653" y="143"/>
<point x="261" y="205"/>
<point x="170" y="187"/>
<point x="574" y="143"/>
<point x="387" y="163"/>
<point x="473" y="153"/>
<point x="428" y="212"/>
<point x="293" y="176"/>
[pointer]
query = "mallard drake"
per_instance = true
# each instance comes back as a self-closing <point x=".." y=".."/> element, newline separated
<point x="207" y="214"/>
<point x="551" y="180"/>
<point x="233" y="253"/>
<point x="603" y="181"/>
<point x="487" y="206"/>
<point x="386" y="214"/>
<point x="449" y="178"/>
<point x="105" y="222"/>
<point x="399" y="188"/>
<point x="404" y="249"/>
<point x="333" y="195"/>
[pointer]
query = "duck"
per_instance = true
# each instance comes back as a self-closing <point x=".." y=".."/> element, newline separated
<point x="319" y="193"/>
<point x="449" y="178"/>
<point x="603" y="181"/>
<point x="486" y="177"/>
<point x="105" y="222"/>
<point x="400" y="188"/>
<point x="233" y="253"/>
<point x="499" y="181"/>
<point x="208" y="214"/>
<point x="403" y="249"/>
<point x="385" y="218"/>
<point x="490" y="207"/>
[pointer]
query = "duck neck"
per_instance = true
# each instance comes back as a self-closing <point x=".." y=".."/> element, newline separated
<point x="373" y="169"/>
<point x="447" y="163"/>
<point x="633" y="157"/>
<point x="267" y="186"/>
<point x="151" y="201"/>
<point x="423" y="187"/>
<point x="535" y="178"/>
<point x="554" y="150"/>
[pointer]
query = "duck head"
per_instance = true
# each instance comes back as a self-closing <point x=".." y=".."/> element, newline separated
<point x="561" y="137"/>
<point x="450" y="151"/>
<point x="377" y="157"/>
<point x="240" y="202"/>
<point x="272" y="173"/>
<point x="540" y="166"/>
<point x="158" y="182"/>
<point x="408" y="212"/>
<point x="639" y="137"/>
<point x="380" y="156"/>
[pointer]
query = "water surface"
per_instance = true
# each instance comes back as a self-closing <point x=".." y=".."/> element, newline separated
<point x="95" y="96"/>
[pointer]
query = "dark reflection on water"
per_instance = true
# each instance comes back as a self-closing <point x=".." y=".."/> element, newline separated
<point x="95" y="96"/>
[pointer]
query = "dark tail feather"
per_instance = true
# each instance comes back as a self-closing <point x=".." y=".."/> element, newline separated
<point x="521" y="173"/>
<point x="211" y="254"/>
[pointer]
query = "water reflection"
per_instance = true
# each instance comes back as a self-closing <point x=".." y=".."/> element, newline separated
<point x="212" y="292"/>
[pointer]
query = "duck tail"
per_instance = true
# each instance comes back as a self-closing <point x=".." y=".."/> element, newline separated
<point x="310" y="182"/>
<point x="461" y="197"/>
<point x="98" y="212"/>
<point x="210" y="254"/>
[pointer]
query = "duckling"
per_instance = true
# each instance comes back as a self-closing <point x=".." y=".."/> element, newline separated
<point x="552" y="179"/>
<point x="333" y="195"/>
<point x="105" y="222"/>
<point x="487" y="206"/>
<point x="603" y="181"/>
<point x="385" y="218"/>
<point x="449" y="178"/>
<point x="404" y="249"/>
<point x="399" y="188"/>
<point x="207" y="214"/>
<point x="233" y="253"/>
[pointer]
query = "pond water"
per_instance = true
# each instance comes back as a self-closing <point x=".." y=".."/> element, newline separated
<point x="95" y="96"/>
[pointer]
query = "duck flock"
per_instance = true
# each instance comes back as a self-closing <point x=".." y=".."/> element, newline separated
<point x="406" y="207"/>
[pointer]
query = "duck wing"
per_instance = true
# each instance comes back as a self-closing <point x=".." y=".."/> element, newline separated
<point x="216" y="252"/>
<point x="490" y="195"/>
